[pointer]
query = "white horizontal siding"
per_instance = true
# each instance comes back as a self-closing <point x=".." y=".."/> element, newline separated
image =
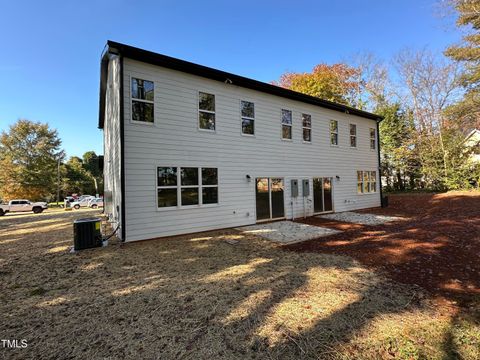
<point x="174" y="140"/>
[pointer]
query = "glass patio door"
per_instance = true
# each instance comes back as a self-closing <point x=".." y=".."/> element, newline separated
<point x="327" y="194"/>
<point x="322" y="195"/>
<point x="263" y="199"/>
<point x="269" y="198"/>
<point x="317" y="195"/>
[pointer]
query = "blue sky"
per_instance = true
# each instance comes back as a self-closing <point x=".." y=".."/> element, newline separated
<point x="50" y="51"/>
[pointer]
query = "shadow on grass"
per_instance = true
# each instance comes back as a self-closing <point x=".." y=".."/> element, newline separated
<point x="198" y="297"/>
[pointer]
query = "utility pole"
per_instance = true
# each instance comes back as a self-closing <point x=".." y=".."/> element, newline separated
<point x="58" y="180"/>
<point x="96" y="186"/>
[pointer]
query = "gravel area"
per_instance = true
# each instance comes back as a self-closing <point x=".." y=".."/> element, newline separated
<point x="359" y="218"/>
<point x="288" y="232"/>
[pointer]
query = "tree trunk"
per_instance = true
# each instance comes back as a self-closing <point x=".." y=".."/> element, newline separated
<point x="444" y="153"/>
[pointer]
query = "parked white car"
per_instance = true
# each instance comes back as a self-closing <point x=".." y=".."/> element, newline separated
<point x="81" y="203"/>
<point x="96" y="203"/>
<point x="22" y="205"/>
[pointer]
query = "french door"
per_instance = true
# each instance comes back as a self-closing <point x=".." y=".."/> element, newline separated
<point x="322" y="195"/>
<point x="269" y="198"/>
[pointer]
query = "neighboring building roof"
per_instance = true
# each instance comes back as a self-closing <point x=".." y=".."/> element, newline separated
<point x="214" y="74"/>
<point x="473" y="135"/>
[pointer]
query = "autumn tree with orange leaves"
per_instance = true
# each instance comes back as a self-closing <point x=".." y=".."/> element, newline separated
<point x="339" y="83"/>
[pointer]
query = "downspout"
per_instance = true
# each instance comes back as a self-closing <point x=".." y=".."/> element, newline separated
<point x="122" y="150"/>
<point x="379" y="164"/>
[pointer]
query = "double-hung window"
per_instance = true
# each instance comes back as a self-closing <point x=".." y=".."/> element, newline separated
<point x="186" y="186"/>
<point x="360" y="182"/>
<point x="286" y="124"/>
<point x="248" y="117"/>
<point x="373" y="138"/>
<point x="209" y="186"/>
<point x="206" y="111"/>
<point x="189" y="186"/>
<point x="334" y="132"/>
<point x="353" y="135"/>
<point x="307" y="127"/>
<point x="366" y="182"/>
<point x="373" y="181"/>
<point x="142" y="95"/>
<point x="167" y="187"/>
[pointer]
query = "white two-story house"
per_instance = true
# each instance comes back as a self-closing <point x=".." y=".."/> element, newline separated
<point x="188" y="148"/>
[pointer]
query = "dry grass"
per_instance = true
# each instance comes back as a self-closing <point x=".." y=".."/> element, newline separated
<point x="197" y="297"/>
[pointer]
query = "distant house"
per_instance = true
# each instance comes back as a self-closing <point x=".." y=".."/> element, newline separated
<point x="472" y="142"/>
<point x="189" y="148"/>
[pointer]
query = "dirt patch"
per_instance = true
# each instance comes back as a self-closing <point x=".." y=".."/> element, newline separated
<point x="437" y="248"/>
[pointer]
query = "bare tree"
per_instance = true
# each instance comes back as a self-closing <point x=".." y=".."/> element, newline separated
<point x="430" y="84"/>
<point x="374" y="76"/>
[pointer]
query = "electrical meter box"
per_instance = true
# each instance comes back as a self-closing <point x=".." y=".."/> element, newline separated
<point x="306" y="187"/>
<point x="294" y="187"/>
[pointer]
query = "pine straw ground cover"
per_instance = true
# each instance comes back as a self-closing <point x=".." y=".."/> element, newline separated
<point x="198" y="297"/>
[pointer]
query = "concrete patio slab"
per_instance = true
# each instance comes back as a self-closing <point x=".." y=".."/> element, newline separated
<point x="360" y="218"/>
<point x="287" y="232"/>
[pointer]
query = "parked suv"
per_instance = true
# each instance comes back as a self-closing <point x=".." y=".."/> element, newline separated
<point x="23" y="205"/>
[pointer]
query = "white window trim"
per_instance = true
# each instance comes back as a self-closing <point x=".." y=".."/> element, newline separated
<point x="372" y="138"/>
<point x="247" y="118"/>
<point x="165" y="208"/>
<point x="369" y="182"/>
<point x="206" y="111"/>
<point x="350" y="136"/>
<point x="132" y="99"/>
<point x="201" y="186"/>
<point x="306" y="127"/>
<point x="282" y="124"/>
<point x="374" y="181"/>
<point x="330" y="132"/>
<point x="179" y="187"/>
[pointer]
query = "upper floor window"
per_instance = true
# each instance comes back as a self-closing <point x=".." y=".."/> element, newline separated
<point x="333" y="132"/>
<point x="353" y="135"/>
<point x="373" y="138"/>
<point x="307" y="127"/>
<point x="286" y="124"/>
<point x="206" y="111"/>
<point x="248" y="117"/>
<point x="142" y="100"/>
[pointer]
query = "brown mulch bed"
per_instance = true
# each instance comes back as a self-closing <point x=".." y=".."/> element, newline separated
<point x="437" y="247"/>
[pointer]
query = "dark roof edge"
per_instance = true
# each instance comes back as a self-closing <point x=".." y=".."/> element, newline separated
<point x="103" y="87"/>
<point x="219" y="75"/>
